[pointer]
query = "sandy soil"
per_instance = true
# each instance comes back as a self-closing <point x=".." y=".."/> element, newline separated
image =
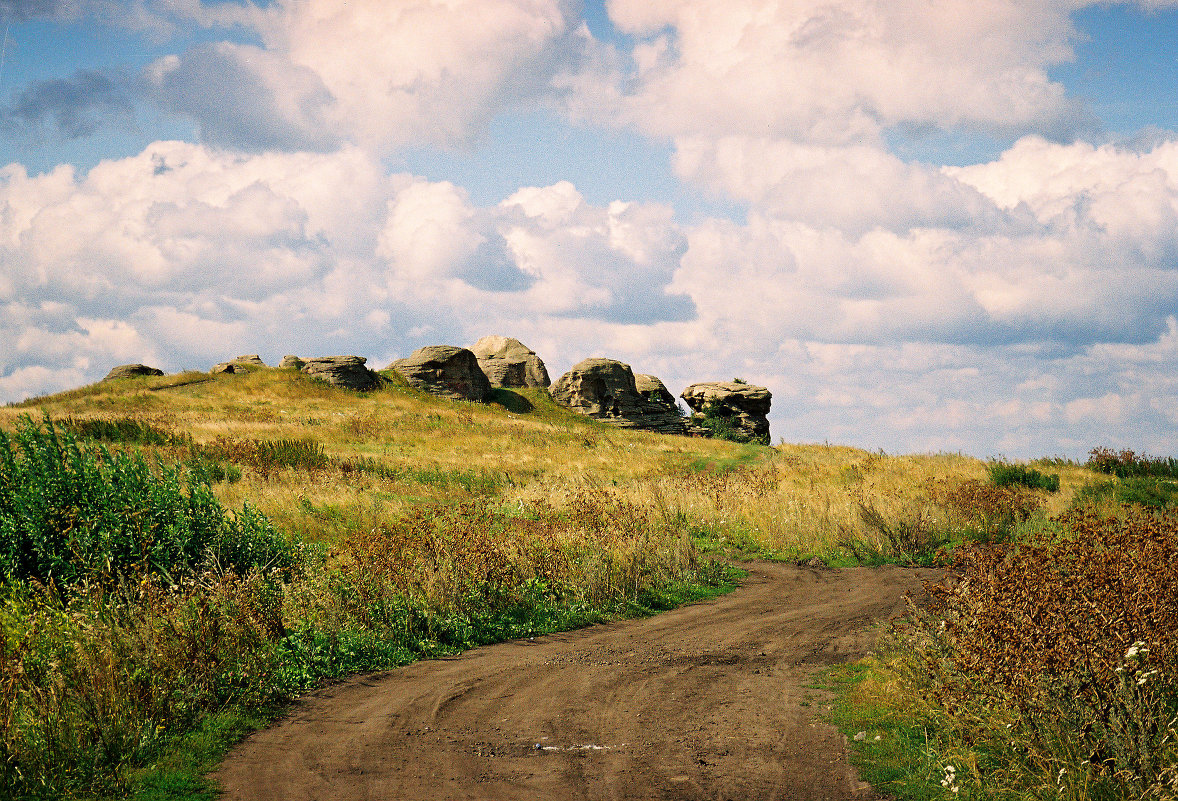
<point x="704" y="702"/>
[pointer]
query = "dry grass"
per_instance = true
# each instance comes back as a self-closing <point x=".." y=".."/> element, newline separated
<point x="792" y="500"/>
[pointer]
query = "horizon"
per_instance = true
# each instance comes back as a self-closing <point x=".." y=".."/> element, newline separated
<point x="923" y="230"/>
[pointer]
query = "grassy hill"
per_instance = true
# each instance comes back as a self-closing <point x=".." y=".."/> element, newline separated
<point x="329" y="532"/>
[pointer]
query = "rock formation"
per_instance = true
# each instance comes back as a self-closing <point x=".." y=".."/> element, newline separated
<point x="289" y="361"/>
<point x="606" y="390"/>
<point x="508" y="362"/>
<point x="445" y="370"/>
<point x="131" y="371"/>
<point x="738" y="407"/>
<point x="348" y="372"/>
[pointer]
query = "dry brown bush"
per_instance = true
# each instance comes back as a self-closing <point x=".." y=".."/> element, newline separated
<point x="1080" y="626"/>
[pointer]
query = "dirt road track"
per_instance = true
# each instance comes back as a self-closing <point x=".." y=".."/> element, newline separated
<point x="703" y="702"/>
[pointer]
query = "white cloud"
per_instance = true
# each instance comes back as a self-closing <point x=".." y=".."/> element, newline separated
<point x="838" y="71"/>
<point x="380" y="75"/>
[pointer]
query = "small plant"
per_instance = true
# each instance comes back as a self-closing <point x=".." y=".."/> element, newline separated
<point x="720" y="422"/>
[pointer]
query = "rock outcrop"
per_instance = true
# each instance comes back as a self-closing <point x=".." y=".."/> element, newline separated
<point x="348" y="372"/>
<point x="739" y="408"/>
<point x="131" y="371"/>
<point x="607" y="390"/>
<point x="290" y="361"/>
<point x="445" y="370"/>
<point x="507" y="362"/>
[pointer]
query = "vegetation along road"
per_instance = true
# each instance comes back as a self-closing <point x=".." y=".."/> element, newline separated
<point x="707" y="701"/>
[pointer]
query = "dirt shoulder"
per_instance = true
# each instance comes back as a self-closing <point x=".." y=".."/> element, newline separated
<point x="703" y="702"/>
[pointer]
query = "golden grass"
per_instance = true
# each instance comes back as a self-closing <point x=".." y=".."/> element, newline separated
<point x="791" y="499"/>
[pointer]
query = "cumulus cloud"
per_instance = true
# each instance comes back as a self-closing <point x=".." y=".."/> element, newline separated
<point x="380" y="75"/>
<point x="836" y="73"/>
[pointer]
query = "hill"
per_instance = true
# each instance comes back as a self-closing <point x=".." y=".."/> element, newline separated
<point x="186" y="553"/>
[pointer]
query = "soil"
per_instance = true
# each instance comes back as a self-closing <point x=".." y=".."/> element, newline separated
<point x="708" y="701"/>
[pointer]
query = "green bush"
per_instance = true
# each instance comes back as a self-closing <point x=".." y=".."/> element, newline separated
<point x="1005" y="474"/>
<point x="69" y="512"/>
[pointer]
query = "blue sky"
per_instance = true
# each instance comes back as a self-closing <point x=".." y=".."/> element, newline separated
<point x="924" y="228"/>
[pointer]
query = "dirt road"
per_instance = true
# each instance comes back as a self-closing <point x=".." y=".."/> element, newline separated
<point x="704" y="702"/>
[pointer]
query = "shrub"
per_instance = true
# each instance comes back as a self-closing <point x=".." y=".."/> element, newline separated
<point x="1126" y="463"/>
<point x="1005" y="474"/>
<point x="68" y="512"/>
<point x="1077" y="629"/>
<point x="986" y="512"/>
<point x="911" y="538"/>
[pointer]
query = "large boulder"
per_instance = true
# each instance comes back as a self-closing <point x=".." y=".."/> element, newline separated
<point x="291" y="362"/>
<point x="730" y="406"/>
<point x="507" y="362"/>
<point x="239" y="365"/>
<point x="348" y="372"/>
<point x="131" y="371"/>
<point x="607" y="390"/>
<point x="660" y="411"/>
<point x="445" y="370"/>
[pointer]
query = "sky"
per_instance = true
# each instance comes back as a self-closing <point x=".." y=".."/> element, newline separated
<point x="944" y="226"/>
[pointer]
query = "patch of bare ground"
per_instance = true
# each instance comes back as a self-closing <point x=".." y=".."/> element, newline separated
<point x="704" y="702"/>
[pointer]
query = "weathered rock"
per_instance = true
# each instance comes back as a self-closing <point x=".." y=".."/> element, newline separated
<point x="741" y="407"/>
<point x="250" y="360"/>
<point x="507" y="362"/>
<point x="227" y="367"/>
<point x="131" y="371"/>
<point x="348" y="372"/>
<point x="445" y="370"/>
<point x="607" y="390"/>
<point x="291" y="361"/>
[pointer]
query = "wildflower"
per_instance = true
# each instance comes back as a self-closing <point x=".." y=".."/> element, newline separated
<point x="1136" y="648"/>
<point x="950" y="780"/>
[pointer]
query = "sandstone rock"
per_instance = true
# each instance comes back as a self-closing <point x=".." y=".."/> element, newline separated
<point x="348" y="372"/>
<point x="131" y="371"/>
<point x="741" y="407"/>
<point x="250" y="360"/>
<point x="445" y="370"/>
<point x="227" y="367"/>
<point x="508" y="362"/>
<point x="291" y="361"/>
<point x="607" y="390"/>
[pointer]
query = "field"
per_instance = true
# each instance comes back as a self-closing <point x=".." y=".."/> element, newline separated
<point x="327" y="532"/>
